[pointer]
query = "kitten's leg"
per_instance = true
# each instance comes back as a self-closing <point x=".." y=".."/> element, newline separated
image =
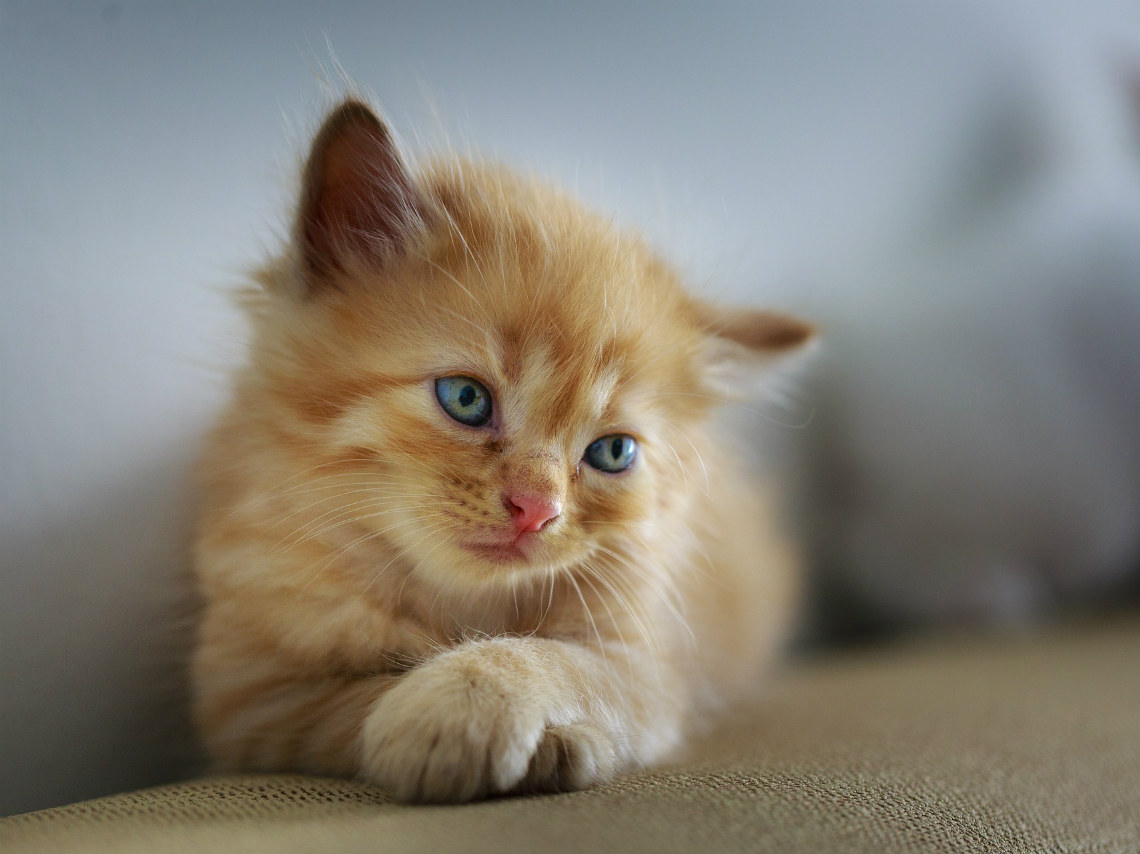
<point x="256" y="710"/>
<point x="499" y="715"/>
<point x="518" y="714"/>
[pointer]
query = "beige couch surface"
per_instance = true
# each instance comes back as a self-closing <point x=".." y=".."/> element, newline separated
<point x="1008" y="743"/>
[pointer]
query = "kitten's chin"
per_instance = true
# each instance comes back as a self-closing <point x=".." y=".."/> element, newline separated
<point x="505" y="553"/>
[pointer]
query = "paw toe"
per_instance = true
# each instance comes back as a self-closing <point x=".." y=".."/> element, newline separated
<point x="569" y="758"/>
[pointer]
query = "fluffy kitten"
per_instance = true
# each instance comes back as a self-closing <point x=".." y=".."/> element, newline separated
<point x="465" y="531"/>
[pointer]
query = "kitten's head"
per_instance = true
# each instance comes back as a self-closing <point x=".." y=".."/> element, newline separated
<point x="508" y="382"/>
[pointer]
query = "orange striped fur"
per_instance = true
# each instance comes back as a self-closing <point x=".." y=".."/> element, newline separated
<point x="349" y="628"/>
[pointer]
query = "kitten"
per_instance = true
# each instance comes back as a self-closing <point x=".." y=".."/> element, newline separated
<point x="465" y="531"/>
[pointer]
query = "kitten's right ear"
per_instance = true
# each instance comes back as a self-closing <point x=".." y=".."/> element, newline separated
<point x="359" y="204"/>
<point x="740" y="345"/>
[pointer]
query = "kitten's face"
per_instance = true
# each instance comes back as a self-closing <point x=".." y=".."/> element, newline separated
<point x="506" y="381"/>
<point x="514" y="395"/>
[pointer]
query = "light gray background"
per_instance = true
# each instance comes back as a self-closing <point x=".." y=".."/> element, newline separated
<point x="147" y="153"/>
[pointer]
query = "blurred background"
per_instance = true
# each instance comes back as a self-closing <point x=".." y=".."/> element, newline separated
<point x="949" y="189"/>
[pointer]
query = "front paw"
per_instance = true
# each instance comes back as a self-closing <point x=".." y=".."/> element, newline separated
<point x="456" y="729"/>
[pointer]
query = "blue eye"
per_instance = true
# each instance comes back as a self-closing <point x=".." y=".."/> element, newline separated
<point x="612" y="453"/>
<point x="464" y="399"/>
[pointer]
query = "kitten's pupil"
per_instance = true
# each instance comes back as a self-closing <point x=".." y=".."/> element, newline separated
<point x="467" y="396"/>
<point x="616" y="447"/>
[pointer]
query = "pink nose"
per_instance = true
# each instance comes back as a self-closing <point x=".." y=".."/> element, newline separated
<point x="531" y="512"/>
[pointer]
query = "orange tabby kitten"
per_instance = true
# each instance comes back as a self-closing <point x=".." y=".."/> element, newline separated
<point x="465" y="531"/>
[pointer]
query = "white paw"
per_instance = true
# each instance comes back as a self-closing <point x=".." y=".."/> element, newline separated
<point x="454" y="731"/>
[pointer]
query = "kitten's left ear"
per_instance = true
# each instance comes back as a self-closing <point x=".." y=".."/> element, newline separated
<point x="359" y="204"/>
<point x="740" y="344"/>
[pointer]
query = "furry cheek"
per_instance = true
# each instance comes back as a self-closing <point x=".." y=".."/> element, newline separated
<point x="609" y="504"/>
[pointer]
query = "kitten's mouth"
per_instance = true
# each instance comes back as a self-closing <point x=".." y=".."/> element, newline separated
<point x="502" y="551"/>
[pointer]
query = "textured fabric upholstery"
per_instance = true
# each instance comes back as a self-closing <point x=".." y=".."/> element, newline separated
<point x="1011" y="743"/>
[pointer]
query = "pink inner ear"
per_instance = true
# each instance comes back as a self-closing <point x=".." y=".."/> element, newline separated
<point x="359" y="201"/>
